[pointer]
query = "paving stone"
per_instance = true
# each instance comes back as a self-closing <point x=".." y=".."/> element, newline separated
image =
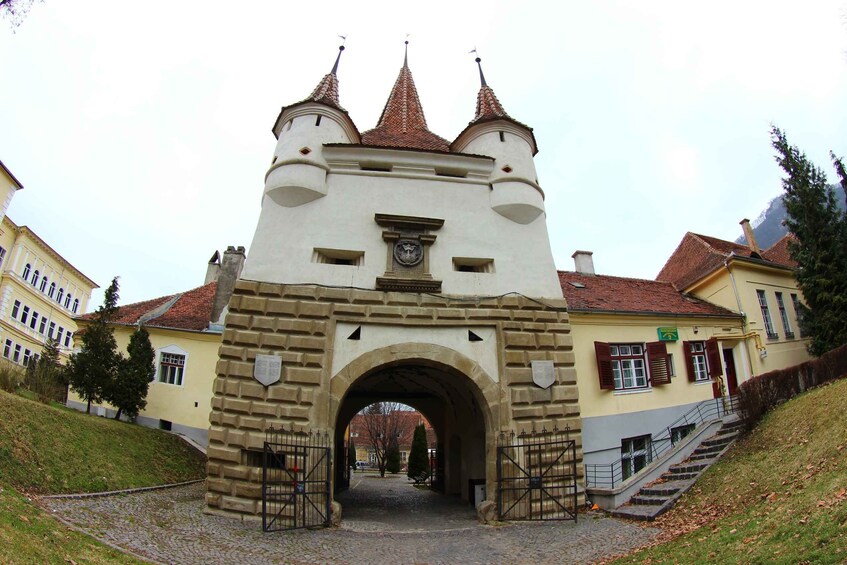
<point x="384" y="521"/>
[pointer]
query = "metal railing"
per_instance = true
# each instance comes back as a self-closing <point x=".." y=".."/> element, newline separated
<point x="609" y="475"/>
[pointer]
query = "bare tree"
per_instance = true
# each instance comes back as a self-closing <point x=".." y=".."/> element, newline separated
<point x="15" y="10"/>
<point x="383" y="423"/>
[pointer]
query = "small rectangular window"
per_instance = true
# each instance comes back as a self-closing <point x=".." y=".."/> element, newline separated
<point x="27" y="354"/>
<point x="24" y="314"/>
<point x="17" y="355"/>
<point x="43" y="327"/>
<point x="68" y="339"/>
<point x="636" y="453"/>
<point x="795" y="301"/>
<point x="52" y="329"/>
<point x="16" y="307"/>
<point x="680" y="432"/>
<point x="7" y="348"/>
<point x="171" y="368"/>
<point x="34" y="320"/>
<point x="473" y="265"/>
<point x="59" y="335"/>
<point x="2" y="256"/>
<point x="348" y="257"/>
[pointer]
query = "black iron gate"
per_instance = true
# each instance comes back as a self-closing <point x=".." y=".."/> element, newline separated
<point x="536" y="476"/>
<point x="296" y="482"/>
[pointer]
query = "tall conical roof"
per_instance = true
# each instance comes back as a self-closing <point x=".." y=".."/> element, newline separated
<point x="402" y="123"/>
<point x="326" y="92"/>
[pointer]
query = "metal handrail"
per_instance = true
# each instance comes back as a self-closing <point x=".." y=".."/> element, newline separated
<point x="609" y="475"/>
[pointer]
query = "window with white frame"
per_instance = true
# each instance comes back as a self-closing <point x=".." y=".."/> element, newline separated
<point x="68" y="301"/>
<point x="52" y="330"/>
<point x="27" y="354"/>
<point x="59" y="335"/>
<point x="171" y="368"/>
<point x="7" y="348"/>
<point x="25" y="273"/>
<point x="76" y="305"/>
<point x="632" y="366"/>
<point x="33" y="322"/>
<point x="68" y="338"/>
<point x="2" y="256"/>
<point x="702" y="359"/>
<point x="766" y="314"/>
<point x="52" y="290"/>
<point x="43" y="327"/>
<point x="24" y="314"/>
<point x="16" y="307"/>
<point x="43" y="285"/>
<point x="698" y="360"/>
<point x="16" y="356"/>
<point x="783" y="314"/>
<point x="60" y="296"/>
<point x="35" y="277"/>
<point x="635" y="454"/>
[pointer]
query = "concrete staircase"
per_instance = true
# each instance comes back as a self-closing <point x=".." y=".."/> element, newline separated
<point x="659" y="496"/>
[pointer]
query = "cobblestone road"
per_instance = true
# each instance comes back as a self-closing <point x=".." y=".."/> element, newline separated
<point x="385" y="521"/>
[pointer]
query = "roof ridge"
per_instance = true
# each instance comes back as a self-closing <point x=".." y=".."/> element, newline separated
<point x="615" y="277"/>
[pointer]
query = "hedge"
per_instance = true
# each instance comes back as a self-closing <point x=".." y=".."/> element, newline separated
<point x="762" y="393"/>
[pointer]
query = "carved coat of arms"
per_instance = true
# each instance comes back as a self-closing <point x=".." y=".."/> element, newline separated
<point x="408" y="252"/>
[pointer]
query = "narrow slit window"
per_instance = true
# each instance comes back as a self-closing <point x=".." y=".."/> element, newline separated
<point x="318" y="120"/>
<point x="502" y="136"/>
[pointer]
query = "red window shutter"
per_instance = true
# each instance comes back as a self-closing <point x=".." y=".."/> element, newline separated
<point x="604" y="365"/>
<point x="713" y="354"/>
<point x="689" y="361"/>
<point x="657" y="360"/>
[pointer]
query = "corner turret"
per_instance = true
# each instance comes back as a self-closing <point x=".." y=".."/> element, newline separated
<point x="298" y="171"/>
<point x="515" y="193"/>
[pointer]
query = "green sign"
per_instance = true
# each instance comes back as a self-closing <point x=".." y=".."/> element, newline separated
<point x="668" y="334"/>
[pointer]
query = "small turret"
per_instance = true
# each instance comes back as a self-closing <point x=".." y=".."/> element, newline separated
<point x="298" y="171"/>
<point x="515" y="193"/>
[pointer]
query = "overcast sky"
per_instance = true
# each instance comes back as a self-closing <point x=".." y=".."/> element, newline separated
<point x="141" y="131"/>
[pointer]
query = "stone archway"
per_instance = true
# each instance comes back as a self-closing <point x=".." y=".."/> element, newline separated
<point x="461" y="404"/>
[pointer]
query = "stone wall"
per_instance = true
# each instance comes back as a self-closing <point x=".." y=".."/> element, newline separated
<point x="297" y="323"/>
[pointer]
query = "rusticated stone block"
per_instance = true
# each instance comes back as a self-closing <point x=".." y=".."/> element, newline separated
<point x="217" y="434"/>
<point x="251" y="390"/>
<point x="545" y="316"/>
<point x="281" y="392"/>
<point x="269" y="289"/>
<point x="523" y="315"/>
<point x="313" y="310"/>
<point x="248" y="490"/>
<point x="236" y="438"/>
<point x="223" y="453"/>
<point x="334" y="294"/>
<point x="306" y="342"/>
<point x="281" y="307"/>
<point x="545" y="341"/>
<point x="531" y="411"/>
<point x="349" y="309"/>
<point x="516" y="340"/>
<point x="566" y="375"/>
<point x="241" y="505"/>
<point x="263" y="323"/>
<point x="254" y="304"/>
<point x="251" y="423"/>
<point x="518" y="375"/>
<point x="558" y="328"/>
<point x="450" y="313"/>
<point x="515" y="357"/>
<point x="511" y="302"/>
<point x="313" y="360"/>
<point x="307" y="396"/>
<point x="244" y="286"/>
<point x="213" y="468"/>
<point x="294" y="412"/>
<point x="306" y="292"/>
<point x="487" y="314"/>
<point x="213" y="499"/>
<point x="219" y="385"/>
<point x="219" y="485"/>
<point x="227" y="420"/>
<point x="554" y="410"/>
<point x="366" y="297"/>
<point x="217" y="402"/>
<point x="238" y="472"/>
<point x="384" y="312"/>
<point x="241" y="321"/>
<point x="401" y="299"/>
<point x="563" y="340"/>
<point x="565" y="393"/>
<point x="263" y="409"/>
<point x="303" y="375"/>
<point x="293" y="326"/>
<point x="533" y="327"/>
<point x="232" y="351"/>
<point x="240" y="369"/>
<point x="236" y="405"/>
<point x="231" y="387"/>
<point x="318" y="327"/>
<point x="274" y="341"/>
<point x="242" y="337"/>
<point x="418" y="313"/>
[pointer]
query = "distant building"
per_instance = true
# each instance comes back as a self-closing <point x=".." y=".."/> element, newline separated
<point x="408" y="421"/>
<point x="40" y="291"/>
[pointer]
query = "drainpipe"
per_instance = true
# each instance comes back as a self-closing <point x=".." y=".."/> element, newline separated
<point x="743" y="318"/>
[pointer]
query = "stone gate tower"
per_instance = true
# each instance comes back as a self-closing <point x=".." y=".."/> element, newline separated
<point x="393" y="264"/>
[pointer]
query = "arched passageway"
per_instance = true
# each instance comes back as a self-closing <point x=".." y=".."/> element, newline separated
<point x="448" y="399"/>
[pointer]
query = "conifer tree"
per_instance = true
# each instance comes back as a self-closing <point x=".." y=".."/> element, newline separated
<point x="819" y="247"/>
<point x="392" y="457"/>
<point x="351" y="454"/>
<point x="45" y="376"/>
<point x="92" y="369"/>
<point x="418" y="459"/>
<point x="128" y="391"/>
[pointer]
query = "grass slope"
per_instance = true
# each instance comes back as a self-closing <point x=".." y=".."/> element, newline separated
<point x="28" y="535"/>
<point x="48" y="450"/>
<point x="779" y="495"/>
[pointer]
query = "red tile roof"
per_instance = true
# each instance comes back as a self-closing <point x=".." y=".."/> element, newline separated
<point x="189" y="310"/>
<point x="603" y="293"/>
<point x="326" y="92"/>
<point x="487" y="105"/>
<point x="402" y="123"/>
<point x="698" y="255"/>
<point x="778" y="252"/>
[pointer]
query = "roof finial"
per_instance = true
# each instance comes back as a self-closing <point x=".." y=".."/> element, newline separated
<point x="479" y="64"/>
<point x="406" y="53"/>
<point x="338" y="58"/>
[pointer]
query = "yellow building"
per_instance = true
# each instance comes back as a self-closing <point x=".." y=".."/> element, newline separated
<point x="645" y="354"/>
<point x="9" y="185"/>
<point x="40" y="293"/>
<point x="758" y="284"/>
<point x="186" y="336"/>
